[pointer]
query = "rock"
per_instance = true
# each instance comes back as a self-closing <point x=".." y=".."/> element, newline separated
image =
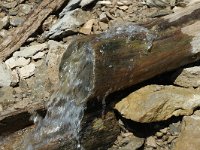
<point x="1" y="108"/>
<point x="159" y="134"/>
<point x="164" y="131"/>
<point x="4" y="22"/>
<point x="8" y="5"/>
<point x="16" y="21"/>
<point x="134" y="144"/>
<point x="54" y="55"/>
<point x="30" y="51"/>
<point x="39" y="55"/>
<point x="189" y="77"/>
<point x="4" y="33"/>
<point x="156" y="103"/>
<point x="5" y="75"/>
<point x="25" y="8"/>
<point x="104" y="3"/>
<point x="87" y="28"/>
<point x="14" y="78"/>
<point x="175" y="128"/>
<point x="6" y="96"/>
<point x="159" y="3"/>
<point x="68" y="24"/>
<point x="27" y="71"/>
<point x="103" y="17"/>
<point x="151" y="142"/>
<point x="49" y="22"/>
<point x="17" y="62"/>
<point x="190" y="134"/>
<point x="103" y="26"/>
<point x="123" y="7"/>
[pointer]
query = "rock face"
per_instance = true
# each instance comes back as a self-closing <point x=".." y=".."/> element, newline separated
<point x="189" y="138"/>
<point x="156" y="103"/>
<point x="189" y="77"/>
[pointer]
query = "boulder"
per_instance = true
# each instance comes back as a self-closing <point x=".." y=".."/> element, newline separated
<point x="157" y="103"/>
<point x="189" y="138"/>
<point x="189" y="77"/>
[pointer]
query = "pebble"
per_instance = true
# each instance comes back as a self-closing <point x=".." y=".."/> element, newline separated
<point x="104" y="3"/>
<point x="103" y="26"/>
<point x="14" y="78"/>
<point x="39" y="55"/>
<point x="16" y="21"/>
<point x="9" y="5"/>
<point x="5" y="75"/>
<point x="103" y="17"/>
<point x="87" y="28"/>
<point x="159" y="134"/>
<point x="164" y="130"/>
<point x="150" y="141"/>
<point x="25" y="8"/>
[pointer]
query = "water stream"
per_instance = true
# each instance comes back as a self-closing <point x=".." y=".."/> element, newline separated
<point x="66" y="106"/>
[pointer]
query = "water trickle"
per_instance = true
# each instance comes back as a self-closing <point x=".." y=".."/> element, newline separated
<point x="65" y="109"/>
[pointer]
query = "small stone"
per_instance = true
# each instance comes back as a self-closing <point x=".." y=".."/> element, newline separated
<point x="16" y="21"/>
<point x="25" y="8"/>
<point x="104" y="3"/>
<point x="150" y="141"/>
<point x="9" y="5"/>
<point x="27" y="71"/>
<point x="5" y="75"/>
<point x="4" y="33"/>
<point x="87" y="28"/>
<point x="39" y="55"/>
<point x="159" y="134"/>
<point x="123" y="7"/>
<point x="103" y="26"/>
<point x="14" y="78"/>
<point x="175" y="128"/>
<point x="30" y="51"/>
<point x="164" y="131"/>
<point x="4" y="22"/>
<point x="103" y="17"/>
<point x="17" y="62"/>
<point x="49" y="22"/>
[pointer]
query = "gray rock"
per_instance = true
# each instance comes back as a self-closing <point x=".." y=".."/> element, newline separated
<point x="17" y="62"/>
<point x="190" y="134"/>
<point x="68" y="24"/>
<point x="16" y="21"/>
<point x="27" y="71"/>
<point x="155" y="103"/>
<point x="5" y="75"/>
<point x="25" y="8"/>
<point x="189" y="77"/>
<point x="39" y="55"/>
<point x="14" y="78"/>
<point x="30" y="51"/>
<point x="8" y="5"/>
<point x="103" y="17"/>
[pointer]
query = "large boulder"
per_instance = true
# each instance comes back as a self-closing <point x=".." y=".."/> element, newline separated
<point x="156" y="103"/>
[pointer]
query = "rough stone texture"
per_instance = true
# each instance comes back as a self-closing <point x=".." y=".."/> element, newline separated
<point x="16" y="21"/>
<point x="30" y="51"/>
<point x="6" y="96"/>
<point x="69" y="23"/>
<point x="189" y="77"/>
<point x="17" y="62"/>
<point x="189" y="138"/>
<point x="39" y="55"/>
<point x="87" y="28"/>
<point x="54" y="55"/>
<point x="27" y="71"/>
<point x="156" y="103"/>
<point x="4" y="22"/>
<point x="5" y="75"/>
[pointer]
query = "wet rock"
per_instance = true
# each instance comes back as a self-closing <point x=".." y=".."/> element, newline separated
<point x="4" y="22"/>
<point x="156" y="103"/>
<point x="16" y="21"/>
<point x="27" y="71"/>
<point x="68" y="24"/>
<point x="17" y="62"/>
<point x="5" y="75"/>
<point x="30" y="51"/>
<point x="87" y="28"/>
<point x="190" y="134"/>
<point x="189" y="77"/>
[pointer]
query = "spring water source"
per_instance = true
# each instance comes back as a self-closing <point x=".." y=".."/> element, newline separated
<point x="66" y="106"/>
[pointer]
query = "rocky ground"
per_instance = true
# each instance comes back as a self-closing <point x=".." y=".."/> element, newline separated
<point x="30" y="75"/>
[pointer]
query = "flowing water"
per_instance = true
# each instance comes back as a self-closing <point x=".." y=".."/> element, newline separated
<point x="66" y="106"/>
